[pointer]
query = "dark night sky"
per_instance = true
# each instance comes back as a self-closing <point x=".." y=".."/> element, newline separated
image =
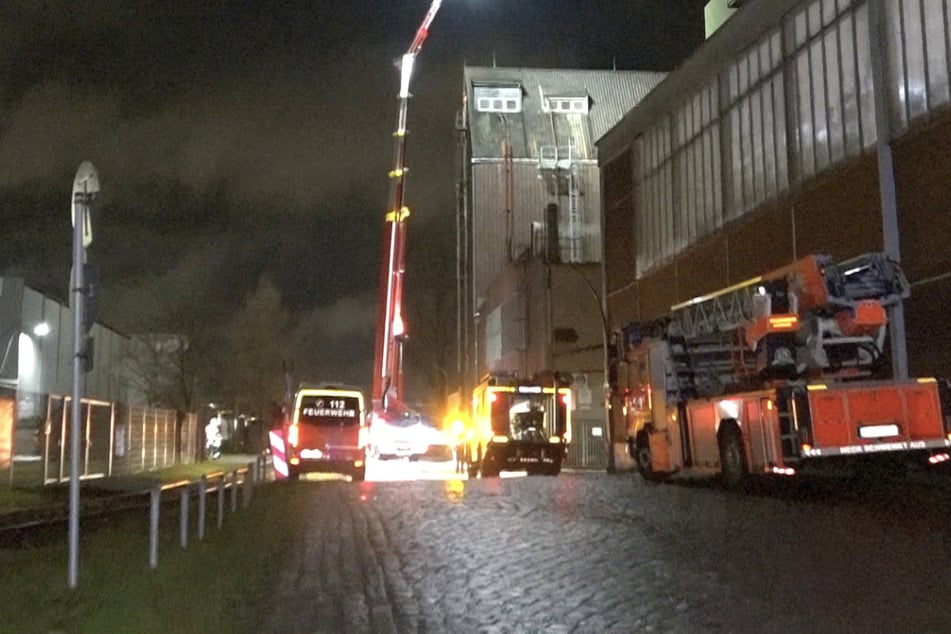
<point x="235" y="139"/>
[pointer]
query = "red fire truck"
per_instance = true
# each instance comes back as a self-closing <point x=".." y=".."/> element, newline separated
<point x="777" y="375"/>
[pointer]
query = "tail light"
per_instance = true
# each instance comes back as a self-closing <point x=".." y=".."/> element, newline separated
<point x="938" y="458"/>
<point x="293" y="435"/>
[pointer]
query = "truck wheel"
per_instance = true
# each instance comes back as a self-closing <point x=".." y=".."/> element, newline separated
<point x="642" y="456"/>
<point x="733" y="470"/>
<point x="488" y="467"/>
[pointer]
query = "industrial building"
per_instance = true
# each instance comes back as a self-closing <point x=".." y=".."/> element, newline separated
<point x="118" y="434"/>
<point x="530" y="229"/>
<point x="798" y="127"/>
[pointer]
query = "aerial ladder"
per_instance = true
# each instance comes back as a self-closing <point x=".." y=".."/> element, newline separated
<point x="814" y="318"/>
<point x="777" y="371"/>
<point x="387" y="391"/>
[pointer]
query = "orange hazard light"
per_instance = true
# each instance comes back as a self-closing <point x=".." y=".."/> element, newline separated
<point x="783" y="322"/>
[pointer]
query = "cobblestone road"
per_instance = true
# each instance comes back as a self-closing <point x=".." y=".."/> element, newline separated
<point x="602" y="553"/>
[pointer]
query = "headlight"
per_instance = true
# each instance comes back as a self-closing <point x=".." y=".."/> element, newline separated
<point x="499" y="439"/>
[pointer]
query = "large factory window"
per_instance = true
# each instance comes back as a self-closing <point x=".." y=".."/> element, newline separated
<point x="918" y="58"/>
<point x="831" y="75"/>
<point x="756" y="122"/>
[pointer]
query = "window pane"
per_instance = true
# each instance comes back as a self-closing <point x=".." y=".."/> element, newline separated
<point x="776" y="51"/>
<point x="769" y="148"/>
<point x="704" y="222"/>
<point x="914" y="59"/>
<point x="736" y="158"/>
<point x="756" y="140"/>
<point x="866" y="91"/>
<point x="850" y="114"/>
<point x="935" y="42"/>
<point x="688" y="232"/>
<point x="805" y="127"/>
<point x="718" y="197"/>
<point x="895" y="74"/>
<point x="779" y="116"/>
<point x="815" y="18"/>
<point x="697" y="117"/>
<point x="834" y="97"/>
<point x="756" y="65"/>
<point x="705" y="106"/>
<point x="668" y="209"/>
<point x="746" y="136"/>
<point x="682" y="199"/>
<point x="699" y="189"/>
<point x="821" y="130"/>
<point x="802" y="32"/>
<point x="744" y="70"/>
<point x="828" y="12"/>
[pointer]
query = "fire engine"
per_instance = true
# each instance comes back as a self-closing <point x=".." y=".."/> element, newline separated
<point x="776" y="375"/>
<point x="518" y="424"/>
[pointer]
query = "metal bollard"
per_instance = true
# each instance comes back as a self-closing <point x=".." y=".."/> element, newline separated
<point x="153" y="527"/>
<point x="248" y="485"/>
<point x="183" y="518"/>
<point x="221" y="499"/>
<point x="202" y="490"/>
<point x="234" y="491"/>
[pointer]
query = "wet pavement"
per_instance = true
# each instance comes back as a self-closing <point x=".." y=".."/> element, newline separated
<point x="592" y="552"/>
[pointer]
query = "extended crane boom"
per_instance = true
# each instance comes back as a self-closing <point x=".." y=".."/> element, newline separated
<point x="387" y="391"/>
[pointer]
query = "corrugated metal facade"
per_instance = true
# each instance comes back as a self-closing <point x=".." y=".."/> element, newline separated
<point x="529" y="181"/>
<point x="529" y="199"/>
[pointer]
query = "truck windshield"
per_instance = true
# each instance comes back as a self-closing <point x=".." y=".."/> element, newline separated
<point x="329" y="410"/>
<point x="523" y="417"/>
